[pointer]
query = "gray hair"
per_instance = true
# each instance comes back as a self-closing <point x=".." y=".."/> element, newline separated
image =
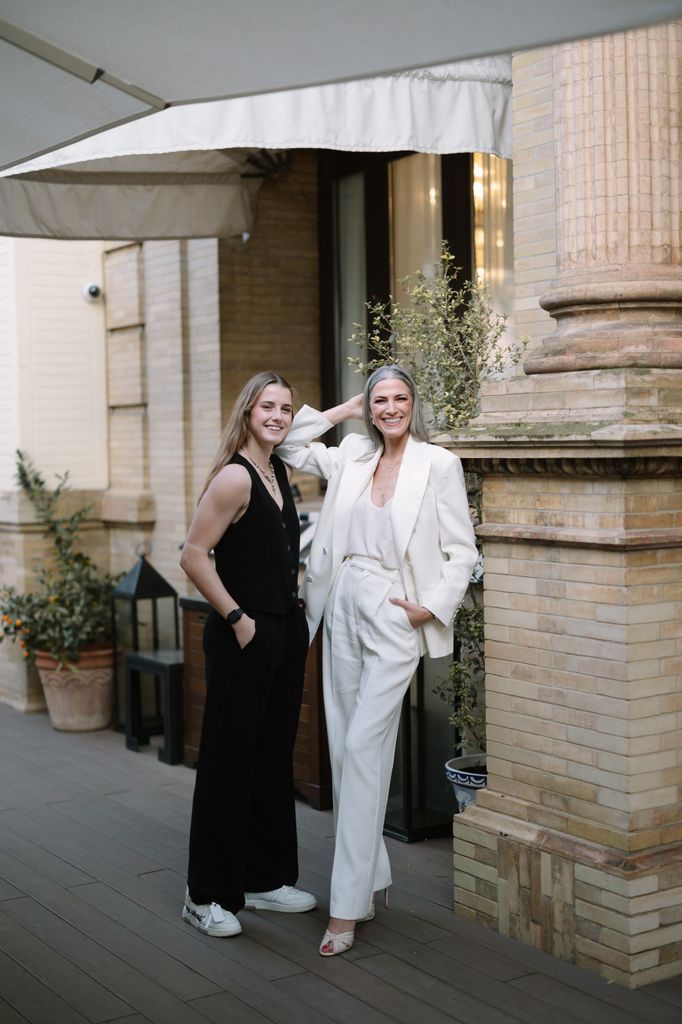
<point x="417" y="427"/>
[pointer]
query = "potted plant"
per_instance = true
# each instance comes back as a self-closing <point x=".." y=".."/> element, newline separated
<point x="462" y="691"/>
<point x="65" y="622"/>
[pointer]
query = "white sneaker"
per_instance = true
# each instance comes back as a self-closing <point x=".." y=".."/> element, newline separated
<point x="210" y="918"/>
<point x="287" y="900"/>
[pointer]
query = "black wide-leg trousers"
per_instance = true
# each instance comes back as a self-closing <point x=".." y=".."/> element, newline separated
<point x="243" y="831"/>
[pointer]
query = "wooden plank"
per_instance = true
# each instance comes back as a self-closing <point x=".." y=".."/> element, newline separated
<point x="339" y="1005"/>
<point x="44" y="863"/>
<point x="80" y="846"/>
<point x="268" y="1003"/>
<point x="118" y="974"/>
<point x="471" y="985"/>
<point x="8" y="1015"/>
<point x="168" y="831"/>
<point x="224" y="1008"/>
<point x="160" y="810"/>
<point x="56" y="973"/>
<point x="134" y="1018"/>
<point x="31" y="1000"/>
<point x="583" y="1006"/>
<point x="408" y="980"/>
<point x="165" y="971"/>
<point x="38" y="785"/>
<point x="166" y="847"/>
<point x="7" y="891"/>
<point x="669" y="990"/>
<point x="467" y="953"/>
<point x="536" y="961"/>
<point x="172" y="883"/>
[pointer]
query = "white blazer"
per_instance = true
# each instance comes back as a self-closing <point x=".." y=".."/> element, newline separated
<point x="432" y="531"/>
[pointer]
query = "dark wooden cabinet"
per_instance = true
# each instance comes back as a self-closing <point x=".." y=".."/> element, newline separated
<point x="312" y="774"/>
<point x="194" y="614"/>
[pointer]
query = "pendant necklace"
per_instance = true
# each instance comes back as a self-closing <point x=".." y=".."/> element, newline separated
<point x="268" y="477"/>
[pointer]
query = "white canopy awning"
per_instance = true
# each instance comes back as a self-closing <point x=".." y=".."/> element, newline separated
<point x="74" y="67"/>
<point x="176" y="195"/>
<point x="177" y="173"/>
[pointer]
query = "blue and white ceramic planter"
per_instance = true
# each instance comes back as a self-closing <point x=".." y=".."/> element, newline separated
<point x="467" y="775"/>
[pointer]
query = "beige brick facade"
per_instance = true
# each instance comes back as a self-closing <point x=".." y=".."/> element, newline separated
<point x="576" y="845"/>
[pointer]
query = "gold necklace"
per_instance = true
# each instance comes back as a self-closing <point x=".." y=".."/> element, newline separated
<point x="268" y="477"/>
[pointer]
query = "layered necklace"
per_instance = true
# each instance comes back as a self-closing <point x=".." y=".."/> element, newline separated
<point x="269" y="477"/>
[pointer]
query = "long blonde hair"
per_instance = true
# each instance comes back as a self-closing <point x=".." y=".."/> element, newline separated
<point x="236" y="431"/>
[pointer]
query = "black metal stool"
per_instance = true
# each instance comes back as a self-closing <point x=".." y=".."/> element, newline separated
<point x="167" y="667"/>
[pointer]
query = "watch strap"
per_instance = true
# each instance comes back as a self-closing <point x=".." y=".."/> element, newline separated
<point x="234" y="616"/>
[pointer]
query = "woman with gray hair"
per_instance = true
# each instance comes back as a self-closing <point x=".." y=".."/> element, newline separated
<point x="390" y="562"/>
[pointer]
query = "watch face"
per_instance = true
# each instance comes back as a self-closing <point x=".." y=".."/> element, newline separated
<point x="234" y="616"/>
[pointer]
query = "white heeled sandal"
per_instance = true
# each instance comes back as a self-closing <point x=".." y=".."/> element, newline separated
<point x="334" y="943"/>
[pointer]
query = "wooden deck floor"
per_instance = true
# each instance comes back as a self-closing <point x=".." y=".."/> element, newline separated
<point x="93" y="846"/>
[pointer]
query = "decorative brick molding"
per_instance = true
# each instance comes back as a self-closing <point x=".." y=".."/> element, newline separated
<point x="622" y="540"/>
<point x="621" y="468"/>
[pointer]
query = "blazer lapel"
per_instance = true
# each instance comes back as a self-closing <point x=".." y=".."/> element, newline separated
<point x="355" y="477"/>
<point x="409" y="491"/>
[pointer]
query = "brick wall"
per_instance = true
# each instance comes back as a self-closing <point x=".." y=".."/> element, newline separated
<point x="269" y="292"/>
<point x="187" y="324"/>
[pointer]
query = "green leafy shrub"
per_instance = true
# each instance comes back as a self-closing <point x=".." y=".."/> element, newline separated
<point x="70" y="607"/>
<point x="462" y="687"/>
<point x="448" y="337"/>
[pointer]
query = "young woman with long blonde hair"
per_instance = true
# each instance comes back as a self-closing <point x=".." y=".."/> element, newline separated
<point x="243" y="849"/>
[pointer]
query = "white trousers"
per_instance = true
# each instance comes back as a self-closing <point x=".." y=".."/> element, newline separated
<point x="370" y="652"/>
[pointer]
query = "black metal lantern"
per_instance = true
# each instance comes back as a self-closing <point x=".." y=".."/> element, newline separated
<point x="145" y="618"/>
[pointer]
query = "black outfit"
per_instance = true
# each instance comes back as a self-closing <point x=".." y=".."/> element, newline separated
<point x="243" y="832"/>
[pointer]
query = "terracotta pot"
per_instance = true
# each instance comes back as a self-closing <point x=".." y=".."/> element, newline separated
<point x="79" y="700"/>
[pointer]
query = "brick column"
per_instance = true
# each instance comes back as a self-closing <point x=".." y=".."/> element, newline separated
<point x="576" y="845"/>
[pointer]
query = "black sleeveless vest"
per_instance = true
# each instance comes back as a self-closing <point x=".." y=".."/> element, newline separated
<point x="257" y="557"/>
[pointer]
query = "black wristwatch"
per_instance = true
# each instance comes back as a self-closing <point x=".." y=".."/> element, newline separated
<point x="234" y="616"/>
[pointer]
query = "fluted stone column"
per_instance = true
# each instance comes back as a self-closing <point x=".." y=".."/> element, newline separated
<point x="617" y="298"/>
<point x="576" y="845"/>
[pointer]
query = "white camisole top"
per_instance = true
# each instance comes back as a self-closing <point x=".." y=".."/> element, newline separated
<point x="370" y="533"/>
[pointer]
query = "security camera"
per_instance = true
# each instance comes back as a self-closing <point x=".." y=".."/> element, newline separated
<point x="91" y="292"/>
